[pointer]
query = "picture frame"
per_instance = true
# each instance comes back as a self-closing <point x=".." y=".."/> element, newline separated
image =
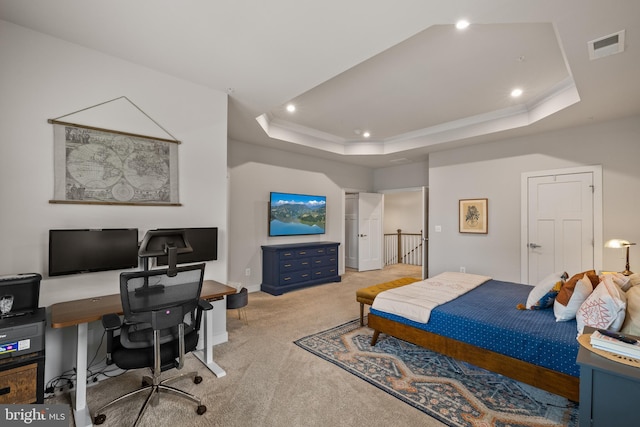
<point x="473" y="216"/>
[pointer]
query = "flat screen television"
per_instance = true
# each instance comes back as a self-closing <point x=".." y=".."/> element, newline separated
<point x="87" y="250"/>
<point x="296" y="214"/>
<point x="203" y="241"/>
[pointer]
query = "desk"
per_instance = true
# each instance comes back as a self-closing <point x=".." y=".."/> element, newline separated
<point x="80" y="312"/>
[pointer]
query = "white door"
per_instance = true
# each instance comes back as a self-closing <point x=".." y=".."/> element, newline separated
<point x="370" y="232"/>
<point x="425" y="232"/>
<point x="560" y="225"/>
<point x="351" y="231"/>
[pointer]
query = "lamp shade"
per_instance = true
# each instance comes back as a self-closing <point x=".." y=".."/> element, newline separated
<point x="617" y="243"/>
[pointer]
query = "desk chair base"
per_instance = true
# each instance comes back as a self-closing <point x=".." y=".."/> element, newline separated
<point x="153" y="387"/>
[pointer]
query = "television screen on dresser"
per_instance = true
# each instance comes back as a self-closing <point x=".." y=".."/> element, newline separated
<point x="292" y="214"/>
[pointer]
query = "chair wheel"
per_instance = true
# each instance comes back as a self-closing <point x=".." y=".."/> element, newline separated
<point x="100" y="418"/>
<point x="198" y="379"/>
<point x="201" y="410"/>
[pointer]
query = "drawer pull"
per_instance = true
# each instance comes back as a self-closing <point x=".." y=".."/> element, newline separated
<point x="305" y="275"/>
<point x="286" y="278"/>
<point x="302" y="252"/>
<point x="5" y="390"/>
<point x="287" y="265"/>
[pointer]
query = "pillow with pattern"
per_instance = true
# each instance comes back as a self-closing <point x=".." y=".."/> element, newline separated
<point x="604" y="308"/>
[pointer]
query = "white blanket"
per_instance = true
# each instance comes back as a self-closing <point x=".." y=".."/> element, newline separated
<point x="416" y="300"/>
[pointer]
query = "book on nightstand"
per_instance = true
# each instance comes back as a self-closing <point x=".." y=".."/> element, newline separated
<point x="615" y="343"/>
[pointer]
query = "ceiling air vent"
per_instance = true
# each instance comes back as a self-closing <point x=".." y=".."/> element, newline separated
<point x="605" y="46"/>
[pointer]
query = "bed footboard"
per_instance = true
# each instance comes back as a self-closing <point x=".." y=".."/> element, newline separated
<point x="552" y="381"/>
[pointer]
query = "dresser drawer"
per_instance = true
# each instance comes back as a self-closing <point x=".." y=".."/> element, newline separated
<point x="295" y="276"/>
<point x="323" y="261"/>
<point x="295" y="264"/>
<point x="318" y="273"/>
<point x="19" y="385"/>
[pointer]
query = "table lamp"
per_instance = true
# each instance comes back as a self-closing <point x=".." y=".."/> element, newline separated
<point x="618" y="243"/>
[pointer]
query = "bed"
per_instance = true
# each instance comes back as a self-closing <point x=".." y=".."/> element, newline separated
<point x="483" y="327"/>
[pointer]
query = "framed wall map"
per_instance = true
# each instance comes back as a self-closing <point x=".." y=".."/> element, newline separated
<point x="93" y="165"/>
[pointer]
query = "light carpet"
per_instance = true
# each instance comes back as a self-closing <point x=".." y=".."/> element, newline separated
<point x="454" y="392"/>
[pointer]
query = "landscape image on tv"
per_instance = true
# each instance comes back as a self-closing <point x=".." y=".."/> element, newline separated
<point x="297" y="214"/>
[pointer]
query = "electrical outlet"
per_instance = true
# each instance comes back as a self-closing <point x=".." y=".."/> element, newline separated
<point x="463" y="270"/>
<point x="247" y="272"/>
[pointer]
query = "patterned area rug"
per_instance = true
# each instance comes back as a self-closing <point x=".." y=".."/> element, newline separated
<point x="456" y="393"/>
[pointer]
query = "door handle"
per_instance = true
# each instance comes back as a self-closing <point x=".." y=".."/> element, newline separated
<point x="363" y="235"/>
<point x="533" y="246"/>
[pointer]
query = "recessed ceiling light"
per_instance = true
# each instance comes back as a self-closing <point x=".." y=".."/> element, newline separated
<point x="291" y="108"/>
<point x="462" y="24"/>
<point x="366" y="134"/>
<point x="516" y="92"/>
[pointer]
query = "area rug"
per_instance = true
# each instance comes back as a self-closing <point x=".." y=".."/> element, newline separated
<point x="454" y="392"/>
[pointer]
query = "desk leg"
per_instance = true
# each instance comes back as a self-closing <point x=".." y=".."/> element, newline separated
<point x="206" y="355"/>
<point x="80" y="408"/>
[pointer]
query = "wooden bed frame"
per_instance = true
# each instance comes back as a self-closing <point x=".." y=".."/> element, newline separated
<point x="552" y="381"/>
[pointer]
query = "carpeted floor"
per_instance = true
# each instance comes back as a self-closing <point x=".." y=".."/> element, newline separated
<point x="454" y="392"/>
<point x="270" y="381"/>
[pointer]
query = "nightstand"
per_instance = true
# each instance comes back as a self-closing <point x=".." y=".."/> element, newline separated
<point x="609" y="391"/>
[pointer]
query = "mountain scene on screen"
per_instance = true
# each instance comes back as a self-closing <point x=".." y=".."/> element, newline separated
<point x="297" y="214"/>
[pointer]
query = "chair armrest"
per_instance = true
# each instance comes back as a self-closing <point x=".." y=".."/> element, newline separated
<point x="204" y="305"/>
<point x="111" y="322"/>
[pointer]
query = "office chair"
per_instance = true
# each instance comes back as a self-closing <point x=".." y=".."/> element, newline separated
<point x="162" y="316"/>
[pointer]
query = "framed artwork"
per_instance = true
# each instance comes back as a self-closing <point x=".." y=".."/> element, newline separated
<point x="473" y="216"/>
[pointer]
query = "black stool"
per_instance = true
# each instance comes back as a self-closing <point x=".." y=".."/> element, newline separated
<point x="239" y="301"/>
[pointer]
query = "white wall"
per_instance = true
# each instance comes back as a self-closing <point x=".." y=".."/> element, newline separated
<point x="403" y="210"/>
<point x="250" y="186"/>
<point x="43" y="78"/>
<point x="494" y="171"/>
<point x="410" y="175"/>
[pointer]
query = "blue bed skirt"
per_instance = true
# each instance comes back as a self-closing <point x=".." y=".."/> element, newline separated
<point x="487" y="317"/>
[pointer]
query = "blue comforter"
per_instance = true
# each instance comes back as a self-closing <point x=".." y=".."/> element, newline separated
<point x="487" y="317"/>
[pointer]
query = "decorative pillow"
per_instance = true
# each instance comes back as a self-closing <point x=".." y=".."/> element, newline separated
<point x="604" y="308"/>
<point x="622" y="281"/>
<point x="544" y="293"/>
<point x="634" y="279"/>
<point x="631" y="323"/>
<point x="580" y="290"/>
<point x="568" y="288"/>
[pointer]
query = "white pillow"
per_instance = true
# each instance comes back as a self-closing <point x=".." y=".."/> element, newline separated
<point x="634" y="279"/>
<point x="581" y="291"/>
<point x="622" y="281"/>
<point x="544" y="293"/>
<point x="631" y="323"/>
<point x="604" y="308"/>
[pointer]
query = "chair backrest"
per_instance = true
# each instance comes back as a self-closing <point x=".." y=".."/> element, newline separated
<point x="145" y="293"/>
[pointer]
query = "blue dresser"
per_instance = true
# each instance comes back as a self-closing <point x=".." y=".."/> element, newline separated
<point x="298" y="265"/>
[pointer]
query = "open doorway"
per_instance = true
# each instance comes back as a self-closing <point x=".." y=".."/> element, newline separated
<point x="405" y="210"/>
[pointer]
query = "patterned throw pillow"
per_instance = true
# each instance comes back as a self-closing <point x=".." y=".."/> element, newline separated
<point x="544" y="293"/>
<point x="604" y="308"/>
